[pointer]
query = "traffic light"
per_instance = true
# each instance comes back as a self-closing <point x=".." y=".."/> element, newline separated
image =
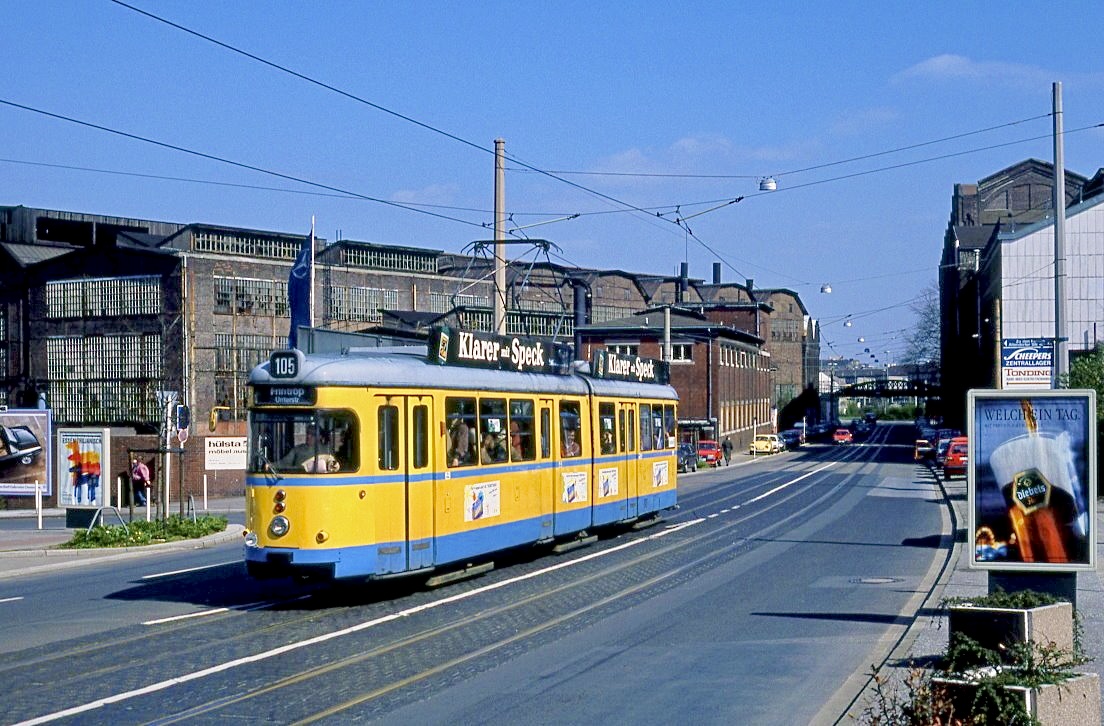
<point x="183" y="417"/>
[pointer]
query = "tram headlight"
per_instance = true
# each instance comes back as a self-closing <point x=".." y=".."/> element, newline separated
<point x="250" y="539"/>
<point x="279" y="526"/>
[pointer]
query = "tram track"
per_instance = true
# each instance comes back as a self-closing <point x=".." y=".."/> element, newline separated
<point x="688" y="540"/>
<point x="719" y="531"/>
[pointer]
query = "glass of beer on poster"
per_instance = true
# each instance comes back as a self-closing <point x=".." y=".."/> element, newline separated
<point x="1032" y="482"/>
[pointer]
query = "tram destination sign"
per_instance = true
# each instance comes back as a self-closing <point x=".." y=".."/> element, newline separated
<point x="448" y="346"/>
<point x="607" y="364"/>
<point x="284" y="395"/>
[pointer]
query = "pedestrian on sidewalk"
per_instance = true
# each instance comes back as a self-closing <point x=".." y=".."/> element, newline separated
<point x="726" y="449"/>
<point x="140" y="479"/>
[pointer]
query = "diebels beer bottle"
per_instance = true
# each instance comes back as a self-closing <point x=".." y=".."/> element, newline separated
<point x="1034" y="473"/>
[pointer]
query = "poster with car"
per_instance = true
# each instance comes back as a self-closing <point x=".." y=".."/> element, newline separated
<point x="84" y="457"/>
<point x="1032" y="479"/>
<point x="24" y="456"/>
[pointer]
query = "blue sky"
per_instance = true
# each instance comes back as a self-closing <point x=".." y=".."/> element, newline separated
<point x="730" y="90"/>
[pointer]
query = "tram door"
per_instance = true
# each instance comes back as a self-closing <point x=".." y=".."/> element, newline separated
<point x="546" y="474"/>
<point x="405" y="447"/>
<point x="627" y="444"/>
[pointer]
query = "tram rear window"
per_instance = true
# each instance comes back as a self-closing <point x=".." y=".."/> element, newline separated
<point x="298" y="441"/>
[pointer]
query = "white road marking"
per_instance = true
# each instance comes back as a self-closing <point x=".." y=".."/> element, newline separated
<point x="780" y="487"/>
<point x="190" y="569"/>
<point x="290" y="647"/>
<point x="174" y="618"/>
<point x="12" y="599"/>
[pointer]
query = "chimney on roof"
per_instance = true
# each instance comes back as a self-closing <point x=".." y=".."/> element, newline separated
<point x="716" y="273"/>
<point x="684" y="281"/>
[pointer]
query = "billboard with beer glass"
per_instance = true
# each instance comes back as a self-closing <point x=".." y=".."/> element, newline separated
<point x="1032" y="479"/>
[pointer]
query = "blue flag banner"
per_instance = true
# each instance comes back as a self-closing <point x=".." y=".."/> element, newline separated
<point x="299" y="290"/>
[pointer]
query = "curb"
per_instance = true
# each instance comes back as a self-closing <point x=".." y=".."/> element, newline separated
<point x="59" y="559"/>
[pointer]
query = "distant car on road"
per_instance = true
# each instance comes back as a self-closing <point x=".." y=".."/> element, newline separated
<point x="791" y="438"/>
<point x="842" y="436"/>
<point x="709" y="452"/>
<point x="687" y="458"/>
<point x="922" y="450"/>
<point x="941" y="452"/>
<point x="18" y="444"/>
<point x="957" y="457"/>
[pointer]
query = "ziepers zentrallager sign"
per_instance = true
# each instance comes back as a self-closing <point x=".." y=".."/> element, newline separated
<point x="1026" y="362"/>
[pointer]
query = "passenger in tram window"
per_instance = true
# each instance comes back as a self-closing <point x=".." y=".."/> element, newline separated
<point x="520" y="442"/>
<point x="459" y="444"/>
<point x="492" y="450"/>
<point x="607" y="442"/>
<point x="570" y="443"/>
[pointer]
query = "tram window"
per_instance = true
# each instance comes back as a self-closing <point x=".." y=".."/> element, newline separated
<point x="421" y="436"/>
<point x="545" y="432"/>
<point x="463" y="442"/>
<point x="645" y="427"/>
<point x="622" y="428"/>
<point x="605" y="424"/>
<point x="571" y="433"/>
<point x="339" y="427"/>
<point x="657" y="427"/>
<point x="669" y="424"/>
<point x="388" y="420"/>
<point x="521" y="430"/>
<point x="492" y="430"/>
<point x="320" y="442"/>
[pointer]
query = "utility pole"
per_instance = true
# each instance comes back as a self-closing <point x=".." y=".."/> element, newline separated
<point x="500" y="238"/>
<point x="1061" y="353"/>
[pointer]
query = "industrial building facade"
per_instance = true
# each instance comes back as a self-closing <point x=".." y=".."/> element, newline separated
<point x="104" y="319"/>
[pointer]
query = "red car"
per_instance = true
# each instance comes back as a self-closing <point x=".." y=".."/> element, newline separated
<point x="957" y="457"/>
<point x="709" y="452"/>
<point x="842" y="436"/>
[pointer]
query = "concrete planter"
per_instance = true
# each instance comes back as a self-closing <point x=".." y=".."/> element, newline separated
<point x="1075" y="701"/>
<point x="996" y="627"/>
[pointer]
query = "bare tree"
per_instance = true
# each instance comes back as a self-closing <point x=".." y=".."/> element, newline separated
<point x="924" y="344"/>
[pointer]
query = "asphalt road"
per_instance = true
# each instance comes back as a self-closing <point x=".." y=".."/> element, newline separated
<point x="757" y="602"/>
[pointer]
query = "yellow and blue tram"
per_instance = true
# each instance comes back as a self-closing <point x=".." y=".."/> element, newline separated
<point x="383" y="462"/>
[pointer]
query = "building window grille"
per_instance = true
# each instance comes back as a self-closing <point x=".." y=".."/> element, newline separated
<point x="384" y="259"/>
<point x="250" y="296"/>
<point x="105" y="297"/>
<point x="237" y="354"/>
<point x="442" y="302"/>
<point x="626" y="349"/>
<point x="682" y="351"/>
<point x="360" y="303"/>
<point x="104" y="379"/>
<point x="276" y="248"/>
<point x="545" y="325"/>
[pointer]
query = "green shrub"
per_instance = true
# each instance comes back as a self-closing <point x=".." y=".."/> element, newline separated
<point x="140" y="532"/>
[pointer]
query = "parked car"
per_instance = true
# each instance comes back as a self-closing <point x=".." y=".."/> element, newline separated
<point x="687" y="458"/>
<point x="957" y="457"/>
<point x="766" y="444"/>
<point x="922" y="450"/>
<point x="18" y="444"/>
<point x="792" y="438"/>
<point x="842" y="436"/>
<point x="709" y="452"/>
<point x="941" y="452"/>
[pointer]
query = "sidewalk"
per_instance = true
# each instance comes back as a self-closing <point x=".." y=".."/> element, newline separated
<point x="25" y="550"/>
<point x="926" y="640"/>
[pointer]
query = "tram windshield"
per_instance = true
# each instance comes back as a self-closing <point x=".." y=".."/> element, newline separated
<point x="312" y="442"/>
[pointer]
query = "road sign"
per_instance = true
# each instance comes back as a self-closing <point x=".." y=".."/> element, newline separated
<point x="182" y="435"/>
